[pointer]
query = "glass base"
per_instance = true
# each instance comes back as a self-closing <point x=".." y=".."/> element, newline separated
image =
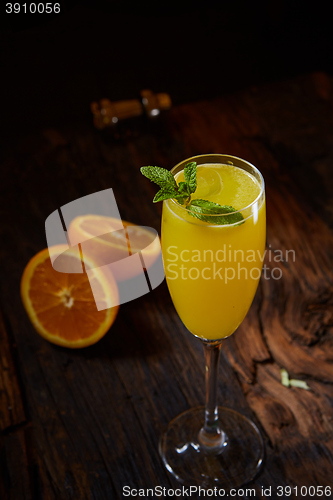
<point x="235" y="463"/>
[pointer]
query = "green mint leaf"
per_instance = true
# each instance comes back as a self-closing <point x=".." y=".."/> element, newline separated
<point x="169" y="187"/>
<point x="160" y="176"/>
<point x="183" y="188"/>
<point x="208" y="211"/>
<point x="190" y="173"/>
<point x="182" y="199"/>
<point x="165" y="194"/>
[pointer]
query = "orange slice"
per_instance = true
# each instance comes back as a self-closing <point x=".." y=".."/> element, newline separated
<point x="61" y="306"/>
<point x="103" y="241"/>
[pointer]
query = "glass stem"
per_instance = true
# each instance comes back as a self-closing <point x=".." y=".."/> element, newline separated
<point x="211" y="436"/>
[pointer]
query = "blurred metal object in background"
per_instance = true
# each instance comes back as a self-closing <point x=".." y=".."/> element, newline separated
<point x="108" y="114"/>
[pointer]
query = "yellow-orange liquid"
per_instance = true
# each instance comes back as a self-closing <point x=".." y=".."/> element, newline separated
<point x="213" y="271"/>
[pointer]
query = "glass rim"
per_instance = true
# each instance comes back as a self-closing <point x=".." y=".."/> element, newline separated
<point x="262" y="188"/>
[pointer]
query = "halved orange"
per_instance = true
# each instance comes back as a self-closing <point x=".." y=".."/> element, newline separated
<point x="61" y="306"/>
<point x="103" y="241"/>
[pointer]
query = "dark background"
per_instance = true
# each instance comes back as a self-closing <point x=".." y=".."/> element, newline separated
<point x="53" y="66"/>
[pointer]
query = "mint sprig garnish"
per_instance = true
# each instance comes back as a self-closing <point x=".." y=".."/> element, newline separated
<point x="204" y="210"/>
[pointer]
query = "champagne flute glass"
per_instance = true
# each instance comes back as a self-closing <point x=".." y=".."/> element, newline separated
<point x="212" y="271"/>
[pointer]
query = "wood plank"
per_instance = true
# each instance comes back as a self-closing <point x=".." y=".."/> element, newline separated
<point x="15" y="466"/>
<point x="11" y="404"/>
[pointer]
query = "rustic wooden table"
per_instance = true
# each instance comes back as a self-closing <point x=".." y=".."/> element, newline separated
<point x="83" y="424"/>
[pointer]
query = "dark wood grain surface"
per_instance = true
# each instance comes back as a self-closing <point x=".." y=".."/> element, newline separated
<point x="83" y="424"/>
